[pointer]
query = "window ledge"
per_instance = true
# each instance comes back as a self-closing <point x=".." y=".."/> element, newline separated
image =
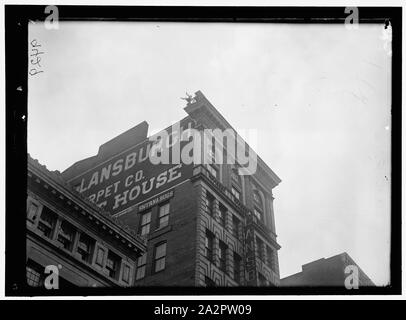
<point x="159" y="232"/>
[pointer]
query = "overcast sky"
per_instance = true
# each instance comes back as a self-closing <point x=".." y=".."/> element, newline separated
<point x="319" y="96"/>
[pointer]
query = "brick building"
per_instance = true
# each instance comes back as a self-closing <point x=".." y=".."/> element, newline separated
<point x="327" y="272"/>
<point x="65" y="230"/>
<point x="204" y="224"/>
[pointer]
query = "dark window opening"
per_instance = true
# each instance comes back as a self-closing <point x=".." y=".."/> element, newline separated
<point x="209" y="282"/>
<point x="85" y="247"/>
<point x="237" y="267"/>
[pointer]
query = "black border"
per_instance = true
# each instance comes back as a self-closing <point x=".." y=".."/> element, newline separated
<point x="16" y="46"/>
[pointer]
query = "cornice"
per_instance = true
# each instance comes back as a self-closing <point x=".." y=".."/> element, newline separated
<point x="57" y="186"/>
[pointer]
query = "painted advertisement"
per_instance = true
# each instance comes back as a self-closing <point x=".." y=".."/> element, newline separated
<point x="139" y="173"/>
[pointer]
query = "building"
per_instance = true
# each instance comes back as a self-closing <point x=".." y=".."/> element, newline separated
<point x="205" y="223"/>
<point x="66" y="231"/>
<point x="329" y="272"/>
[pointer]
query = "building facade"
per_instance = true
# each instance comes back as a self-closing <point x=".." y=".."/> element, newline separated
<point x="331" y="272"/>
<point x="204" y="223"/>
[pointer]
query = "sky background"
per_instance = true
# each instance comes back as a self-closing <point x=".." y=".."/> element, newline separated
<point x="319" y="96"/>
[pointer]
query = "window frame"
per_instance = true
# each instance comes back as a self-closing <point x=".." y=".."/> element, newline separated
<point x="165" y="216"/>
<point x="146" y="224"/>
<point x="236" y="222"/>
<point x="34" y="270"/>
<point x="209" y="282"/>
<point x="259" y="205"/>
<point x="210" y="203"/>
<point x="141" y="265"/>
<point x="223" y="215"/>
<point x="117" y="264"/>
<point x="44" y="222"/>
<point x="161" y="257"/>
<point x="91" y="245"/>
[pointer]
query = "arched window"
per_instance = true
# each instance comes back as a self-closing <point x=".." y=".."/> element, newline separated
<point x="258" y="205"/>
<point x="236" y="184"/>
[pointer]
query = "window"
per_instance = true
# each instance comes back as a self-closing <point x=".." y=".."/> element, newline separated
<point x="235" y="193"/>
<point x="85" y="247"/>
<point x="210" y="204"/>
<point x="163" y="215"/>
<point x="236" y="226"/>
<point x="212" y="154"/>
<point x="34" y="274"/>
<point x="126" y="274"/>
<point x="235" y="176"/>
<point x="145" y="223"/>
<point x="33" y="212"/>
<point x="66" y="235"/>
<point x="212" y="170"/>
<point x="257" y="197"/>
<point x="208" y="282"/>
<point x="260" y="245"/>
<point x="262" y="280"/>
<point x="208" y="245"/>
<point x="100" y="256"/>
<point x="112" y="264"/>
<point x="223" y="215"/>
<point x="223" y="255"/>
<point x="47" y="222"/>
<point x="270" y="257"/>
<point x="141" y="265"/>
<point x="237" y="267"/>
<point x="160" y="257"/>
<point x="259" y="206"/>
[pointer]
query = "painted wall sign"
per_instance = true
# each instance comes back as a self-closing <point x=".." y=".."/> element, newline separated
<point x="134" y="176"/>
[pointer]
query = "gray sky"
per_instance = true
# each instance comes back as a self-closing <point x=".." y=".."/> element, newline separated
<point x="319" y="96"/>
